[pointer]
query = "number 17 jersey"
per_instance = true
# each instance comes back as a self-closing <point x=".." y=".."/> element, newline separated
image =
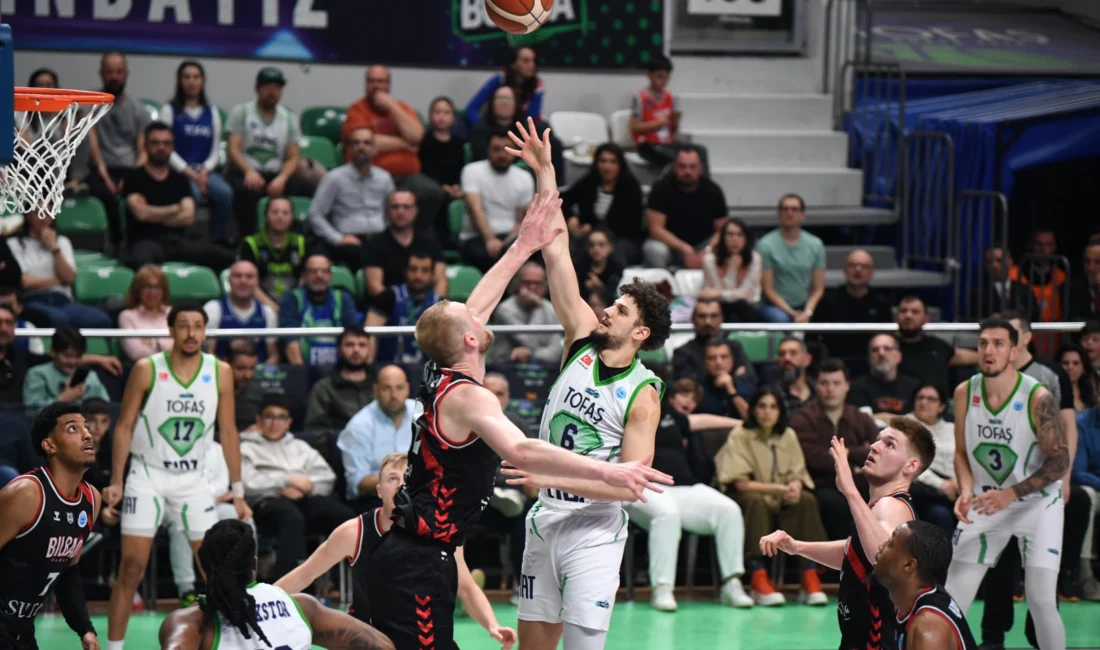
<point x="176" y="421"/>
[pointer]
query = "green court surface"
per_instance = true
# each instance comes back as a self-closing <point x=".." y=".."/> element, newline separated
<point x="697" y="626"/>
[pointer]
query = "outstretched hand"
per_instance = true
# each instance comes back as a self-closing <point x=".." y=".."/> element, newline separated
<point x="636" y="476"/>
<point x="844" y="481"/>
<point x="536" y="231"/>
<point x="529" y="147"/>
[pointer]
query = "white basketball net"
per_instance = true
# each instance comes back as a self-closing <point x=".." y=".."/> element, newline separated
<point x="44" y="145"/>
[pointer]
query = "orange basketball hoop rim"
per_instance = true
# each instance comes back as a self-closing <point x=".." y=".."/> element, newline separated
<point x="51" y="100"/>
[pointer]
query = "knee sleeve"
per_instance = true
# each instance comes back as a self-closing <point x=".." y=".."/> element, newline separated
<point x="576" y="637"/>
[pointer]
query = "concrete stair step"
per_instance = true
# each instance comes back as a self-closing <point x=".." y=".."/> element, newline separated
<point x="775" y="111"/>
<point x="746" y="74"/>
<point x="819" y="216"/>
<point x="760" y="187"/>
<point x="895" y="279"/>
<point x="774" y="148"/>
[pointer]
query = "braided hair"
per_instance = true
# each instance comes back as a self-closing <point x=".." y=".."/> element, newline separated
<point x="226" y="556"/>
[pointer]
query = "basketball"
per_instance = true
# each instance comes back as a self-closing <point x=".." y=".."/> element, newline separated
<point x="519" y="16"/>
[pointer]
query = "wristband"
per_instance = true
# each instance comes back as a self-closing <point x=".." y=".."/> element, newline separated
<point x="237" y="488"/>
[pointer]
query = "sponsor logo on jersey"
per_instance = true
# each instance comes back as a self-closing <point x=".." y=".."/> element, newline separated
<point x="1018" y="406"/>
<point x="594" y="393"/>
<point x="69" y="516"/>
<point x="186" y="404"/>
<point x="586" y="361"/>
<point x="20" y="609"/>
<point x="603" y="604"/>
<point x="162" y="376"/>
<point x="65" y="547"/>
<point x="206" y="379"/>
<point x="977" y="400"/>
<point x="82" y="520"/>
<point x="583" y="404"/>
<point x="1053" y="551"/>
<point x="56" y="516"/>
<point x="620" y="392"/>
<point x="994" y="432"/>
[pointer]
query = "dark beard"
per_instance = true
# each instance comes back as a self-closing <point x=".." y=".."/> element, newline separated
<point x="599" y="341"/>
<point x="344" y="364"/>
<point x="187" y="354"/>
<point x="996" y="372"/>
<point x="909" y="334"/>
<point x="114" y="88"/>
<point x="791" y="375"/>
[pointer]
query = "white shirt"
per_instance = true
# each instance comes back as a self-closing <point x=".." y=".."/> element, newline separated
<point x="37" y="260"/>
<point x="501" y="195"/>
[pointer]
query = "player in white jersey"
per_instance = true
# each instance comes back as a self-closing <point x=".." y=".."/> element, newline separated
<point x="173" y="401"/>
<point x="604" y="405"/>
<point x="1011" y="452"/>
<point x="241" y="614"/>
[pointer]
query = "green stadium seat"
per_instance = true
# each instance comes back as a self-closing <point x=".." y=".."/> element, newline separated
<point x="757" y="345"/>
<point x="324" y="121"/>
<point x="153" y="106"/>
<point x="94" y="285"/>
<point x="339" y="153"/>
<point x="99" y="346"/>
<point x="93" y="259"/>
<point x="224" y="278"/>
<point x="192" y="283"/>
<point x="468" y="153"/>
<point x="320" y="149"/>
<point x="360" y="283"/>
<point x="456" y="213"/>
<point x="81" y="215"/>
<point x="342" y="278"/>
<point x="653" y="357"/>
<point x="461" y="281"/>
<point x="224" y="114"/>
<point x="300" y="205"/>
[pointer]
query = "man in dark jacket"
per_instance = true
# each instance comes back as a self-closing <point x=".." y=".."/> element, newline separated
<point x="687" y="360"/>
<point x="335" y="398"/>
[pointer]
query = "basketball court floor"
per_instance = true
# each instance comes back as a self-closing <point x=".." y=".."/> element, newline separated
<point x="635" y="626"/>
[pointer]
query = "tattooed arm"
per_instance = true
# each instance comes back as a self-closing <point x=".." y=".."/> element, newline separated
<point x="1050" y="430"/>
<point x="336" y="630"/>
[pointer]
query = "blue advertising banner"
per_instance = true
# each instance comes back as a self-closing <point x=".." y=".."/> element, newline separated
<point x="579" y="33"/>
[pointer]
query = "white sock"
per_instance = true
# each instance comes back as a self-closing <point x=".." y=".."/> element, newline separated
<point x="114" y="645"/>
<point x="1041" y="586"/>
<point x="575" y="637"/>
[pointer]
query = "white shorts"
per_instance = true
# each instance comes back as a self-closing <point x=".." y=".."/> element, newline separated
<point x="153" y="496"/>
<point x="1036" y="523"/>
<point x="571" y="567"/>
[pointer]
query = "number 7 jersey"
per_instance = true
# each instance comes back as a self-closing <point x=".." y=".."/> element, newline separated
<point x="176" y="421"/>
<point x="1001" y="444"/>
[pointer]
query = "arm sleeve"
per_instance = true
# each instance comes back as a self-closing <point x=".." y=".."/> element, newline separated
<point x="534" y="109"/>
<point x="383" y="303"/>
<point x="215" y="143"/>
<point x="271" y="320"/>
<point x="318" y="471"/>
<point x="289" y="314"/>
<point x="1065" y="386"/>
<point x="819" y="255"/>
<point x="69" y="591"/>
<point x="319" y="208"/>
<point x="260" y="480"/>
<point x="354" y="454"/>
<point x="95" y="388"/>
<point x="732" y="461"/>
<point x="66" y="247"/>
<point x="167" y="115"/>
<point x="477" y="102"/>
<point x="348" y="317"/>
<point x="213" y="309"/>
<point x="636" y="106"/>
<point x="815" y="451"/>
<point x="35" y="391"/>
<point x="293" y="131"/>
<point x="235" y="122"/>
<point x="798" y="467"/>
<point x="1081" y="474"/>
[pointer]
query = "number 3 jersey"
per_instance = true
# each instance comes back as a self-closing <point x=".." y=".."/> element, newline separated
<point x="587" y="412"/>
<point x="177" y="419"/>
<point x="1002" y="445"/>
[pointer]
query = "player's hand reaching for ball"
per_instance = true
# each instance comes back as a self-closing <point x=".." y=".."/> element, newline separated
<point x="772" y="544"/>
<point x="536" y="231"/>
<point x="530" y="148"/>
<point x="962" y="508"/>
<point x="636" y="476"/>
<point x="505" y="636"/>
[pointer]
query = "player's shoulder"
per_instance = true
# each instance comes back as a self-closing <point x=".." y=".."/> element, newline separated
<point x="892" y="510"/>
<point x="23" y="488"/>
<point x="930" y="628"/>
<point x="187" y="619"/>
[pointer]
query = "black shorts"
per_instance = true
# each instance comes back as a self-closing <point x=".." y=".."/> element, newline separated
<point x="413" y="583"/>
<point x="18" y="637"/>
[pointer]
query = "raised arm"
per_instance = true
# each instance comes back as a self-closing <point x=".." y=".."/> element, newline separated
<point x="873" y="525"/>
<point x="230" y="438"/>
<point x="340" y="544"/>
<point x="336" y="630"/>
<point x="572" y="311"/>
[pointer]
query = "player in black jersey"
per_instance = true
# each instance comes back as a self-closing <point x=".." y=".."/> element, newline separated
<point x="912" y="565"/>
<point x="356" y="539"/>
<point x="453" y="459"/>
<point x="866" y="615"/>
<point x="47" y="515"/>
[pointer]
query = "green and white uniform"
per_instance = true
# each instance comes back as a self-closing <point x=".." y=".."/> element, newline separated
<point x="174" y="429"/>
<point x="263" y="143"/>
<point x="279" y="616"/>
<point x="575" y="545"/>
<point x="1003" y="450"/>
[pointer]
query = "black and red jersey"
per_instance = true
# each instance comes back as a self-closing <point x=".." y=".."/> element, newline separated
<point x="368" y="537"/>
<point x="449" y="480"/>
<point x="934" y="600"/>
<point x="864" y="609"/>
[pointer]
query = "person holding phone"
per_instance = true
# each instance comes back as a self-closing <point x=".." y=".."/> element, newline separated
<point x="63" y="379"/>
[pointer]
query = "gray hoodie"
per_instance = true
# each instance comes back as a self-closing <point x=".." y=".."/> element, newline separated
<point x="267" y="466"/>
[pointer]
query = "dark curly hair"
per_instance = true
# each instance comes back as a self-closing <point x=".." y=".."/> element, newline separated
<point x="652" y="309"/>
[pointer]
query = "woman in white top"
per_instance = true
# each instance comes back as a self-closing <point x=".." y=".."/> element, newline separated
<point x="49" y="270"/>
<point x="197" y="129"/>
<point x="935" y="490"/>
<point x="731" y="273"/>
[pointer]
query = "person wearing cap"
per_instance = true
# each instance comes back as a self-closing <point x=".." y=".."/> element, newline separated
<point x="288" y="484"/>
<point x="263" y="150"/>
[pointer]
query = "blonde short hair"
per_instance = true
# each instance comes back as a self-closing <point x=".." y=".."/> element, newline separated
<point x="396" y="458"/>
<point x="439" y="334"/>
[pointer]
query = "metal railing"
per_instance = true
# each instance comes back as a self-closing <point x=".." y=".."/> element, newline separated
<point x="844" y="22"/>
<point x="982" y="223"/>
<point x="927" y="186"/>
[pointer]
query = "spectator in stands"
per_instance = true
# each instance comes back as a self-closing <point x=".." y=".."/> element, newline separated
<point x="855" y="302"/>
<point x="263" y="150"/>
<point x="97" y="417"/>
<point x="884" y="391"/>
<point x="1086" y="475"/>
<point x="402" y="304"/>
<point x="655" y="117"/>
<point x="501" y="114"/>
<point x="1089" y="340"/>
<point x="793" y="281"/>
<point x="521" y="76"/>
<point x="147" y="306"/>
<point x="288" y="484"/>
<point x="11" y="275"/>
<point x="49" y="271"/>
<point x="442" y="153"/>
<point x="397" y="134"/>
<point x="116" y="144"/>
<point x="528" y="306"/>
<point x="1047" y="371"/>
<point x="248" y="390"/>
<point x="52" y="382"/>
<point x="334" y="399"/>
<point x="598" y="267"/>
<point x="197" y="127"/>
<point x="388" y="253"/>
<point x="349" y="207"/>
<point x="691" y="504"/>
<point x="241" y="308"/>
<point x="1081" y="375"/>
<point x="727" y="389"/>
<point x="497" y="194"/>
<point x="160" y="209"/>
<point x="817" y="424"/>
<point x="685" y="214"/>
<point x="996" y="291"/>
<point x="935" y="490"/>
<point x="380" y="428"/>
<point x="15" y="361"/>
<point x="608" y="195"/>
<point x="763" y="466"/>
<point x="17" y="453"/>
<point x="688" y="359"/>
<point x="1084" y="300"/>
<point x="11" y="297"/>
<point x="795" y="384"/>
<point x="923" y="356"/>
<point x="316" y="304"/>
<point x="1041" y="272"/>
<point x="277" y="251"/>
<point x="731" y="273"/>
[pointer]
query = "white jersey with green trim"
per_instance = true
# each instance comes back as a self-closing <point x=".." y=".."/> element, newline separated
<point x="588" y="415"/>
<point x="279" y="616"/>
<point x="1001" y="444"/>
<point x="176" y="423"/>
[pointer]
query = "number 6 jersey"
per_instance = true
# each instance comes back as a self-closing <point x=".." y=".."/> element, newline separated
<point x="177" y="419"/>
